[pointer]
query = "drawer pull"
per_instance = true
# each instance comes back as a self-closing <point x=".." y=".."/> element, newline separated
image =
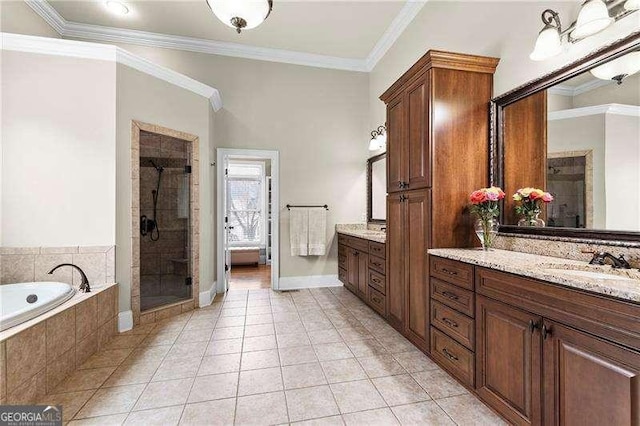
<point x="450" y="295"/>
<point x="449" y="322"/>
<point x="375" y="280"/>
<point x="447" y="271"/>
<point x="376" y="264"/>
<point x="375" y="299"/>
<point x="449" y="355"/>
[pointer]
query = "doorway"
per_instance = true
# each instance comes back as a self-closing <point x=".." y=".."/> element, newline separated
<point x="247" y="219"/>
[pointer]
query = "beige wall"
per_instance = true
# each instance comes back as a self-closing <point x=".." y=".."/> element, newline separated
<point x="145" y="98"/>
<point x="58" y="128"/>
<point x="502" y="29"/>
<point x="17" y="17"/>
<point x="627" y="93"/>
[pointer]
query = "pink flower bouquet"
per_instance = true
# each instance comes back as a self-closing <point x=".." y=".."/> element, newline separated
<point x="530" y="200"/>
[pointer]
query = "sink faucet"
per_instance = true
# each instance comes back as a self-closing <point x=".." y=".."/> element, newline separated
<point x="616" y="262"/>
<point x="84" y="284"/>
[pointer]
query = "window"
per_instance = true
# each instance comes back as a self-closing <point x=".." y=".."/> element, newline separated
<point x="245" y="203"/>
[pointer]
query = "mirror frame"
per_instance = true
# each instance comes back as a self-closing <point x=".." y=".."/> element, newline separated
<point x="370" y="162"/>
<point x="496" y="166"/>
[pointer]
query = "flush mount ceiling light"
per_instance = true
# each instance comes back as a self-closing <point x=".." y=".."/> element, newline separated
<point x="241" y="14"/>
<point x="592" y="18"/>
<point x="618" y="69"/>
<point x="378" y="139"/>
<point x="116" y="7"/>
<point x="549" y="41"/>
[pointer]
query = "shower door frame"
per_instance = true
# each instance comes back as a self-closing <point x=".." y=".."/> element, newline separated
<point x="171" y="309"/>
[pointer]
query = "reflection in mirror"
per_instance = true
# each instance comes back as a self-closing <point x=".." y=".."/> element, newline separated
<point x="580" y="140"/>
<point x="377" y="188"/>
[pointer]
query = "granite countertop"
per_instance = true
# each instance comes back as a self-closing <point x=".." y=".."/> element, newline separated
<point x="360" y="230"/>
<point x="620" y="283"/>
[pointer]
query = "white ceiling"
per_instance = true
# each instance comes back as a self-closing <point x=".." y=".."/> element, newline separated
<point x="343" y="29"/>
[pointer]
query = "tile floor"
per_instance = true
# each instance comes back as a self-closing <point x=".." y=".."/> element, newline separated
<point x="316" y="357"/>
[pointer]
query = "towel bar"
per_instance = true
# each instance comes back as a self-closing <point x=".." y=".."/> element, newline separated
<point x="289" y="206"/>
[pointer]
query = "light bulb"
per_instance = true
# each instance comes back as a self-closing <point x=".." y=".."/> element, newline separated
<point x="548" y="44"/>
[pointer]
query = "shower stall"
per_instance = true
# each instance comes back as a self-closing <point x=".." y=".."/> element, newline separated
<point x="165" y="220"/>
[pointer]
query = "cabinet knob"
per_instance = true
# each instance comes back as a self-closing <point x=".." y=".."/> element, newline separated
<point x="546" y="331"/>
<point x="533" y="325"/>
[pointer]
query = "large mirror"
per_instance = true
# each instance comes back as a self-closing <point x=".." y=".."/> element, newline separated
<point x="576" y="135"/>
<point x="377" y="189"/>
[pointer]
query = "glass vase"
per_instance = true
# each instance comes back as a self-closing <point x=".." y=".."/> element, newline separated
<point x="531" y="219"/>
<point x="486" y="230"/>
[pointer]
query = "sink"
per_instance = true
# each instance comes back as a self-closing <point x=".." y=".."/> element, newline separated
<point x="594" y="275"/>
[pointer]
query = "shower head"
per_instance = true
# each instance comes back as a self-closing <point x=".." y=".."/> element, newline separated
<point x="160" y="169"/>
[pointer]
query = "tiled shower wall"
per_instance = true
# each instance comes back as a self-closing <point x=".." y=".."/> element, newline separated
<point x="31" y="264"/>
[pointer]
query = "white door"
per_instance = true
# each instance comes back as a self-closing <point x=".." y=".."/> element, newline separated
<point x="227" y="227"/>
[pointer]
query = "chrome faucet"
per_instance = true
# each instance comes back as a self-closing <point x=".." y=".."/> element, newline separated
<point x="84" y="284"/>
<point x="616" y="262"/>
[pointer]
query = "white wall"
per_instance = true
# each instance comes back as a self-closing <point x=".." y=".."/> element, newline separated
<point x="58" y="148"/>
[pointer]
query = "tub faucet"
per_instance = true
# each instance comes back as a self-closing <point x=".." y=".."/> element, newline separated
<point x="84" y="285"/>
<point x="616" y="262"/>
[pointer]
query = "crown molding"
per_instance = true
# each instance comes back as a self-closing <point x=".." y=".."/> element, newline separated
<point x="564" y="90"/>
<point x="105" y="52"/>
<point x="100" y="33"/>
<point x="615" y="109"/>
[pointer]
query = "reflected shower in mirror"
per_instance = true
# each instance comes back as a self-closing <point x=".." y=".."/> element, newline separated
<point x="377" y="188"/>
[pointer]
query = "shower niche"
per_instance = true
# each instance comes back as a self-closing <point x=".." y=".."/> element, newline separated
<point x="165" y="231"/>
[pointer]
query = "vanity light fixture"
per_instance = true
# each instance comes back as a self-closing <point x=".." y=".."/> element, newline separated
<point x="618" y="69"/>
<point x="241" y="14"/>
<point x="116" y="7"/>
<point x="594" y="16"/>
<point x="378" y="139"/>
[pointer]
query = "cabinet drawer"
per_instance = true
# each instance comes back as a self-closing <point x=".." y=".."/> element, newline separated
<point x="343" y="240"/>
<point x="455" y="358"/>
<point x="453" y="296"/>
<point x="451" y="271"/>
<point x="377" y="249"/>
<point x="342" y="261"/>
<point x="454" y="324"/>
<point x="377" y="281"/>
<point x="342" y="249"/>
<point x="377" y="264"/>
<point x="377" y="301"/>
<point x="342" y="275"/>
<point x="358" y="244"/>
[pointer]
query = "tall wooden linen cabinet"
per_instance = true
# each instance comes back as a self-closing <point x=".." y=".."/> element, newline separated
<point x="437" y="153"/>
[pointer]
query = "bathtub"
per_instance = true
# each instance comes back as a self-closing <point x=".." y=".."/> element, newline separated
<point x="24" y="301"/>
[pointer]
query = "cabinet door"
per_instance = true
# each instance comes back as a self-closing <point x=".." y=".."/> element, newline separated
<point x="396" y="145"/>
<point x="395" y="259"/>
<point x="589" y="381"/>
<point x="363" y="275"/>
<point x="508" y="360"/>
<point x="416" y="237"/>
<point x="418" y="137"/>
<point x="353" y="270"/>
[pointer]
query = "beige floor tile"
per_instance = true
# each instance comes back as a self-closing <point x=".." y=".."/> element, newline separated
<point x="298" y="355"/>
<point x="259" y="310"/>
<point x="197" y="335"/>
<point x="289" y="327"/>
<point x="286" y="317"/>
<point x="332" y="351"/>
<point x="164" y="394"/>
<point x="125" y="341"/>
<point x="107" y="358"/>
<point x="259" y="319"/>
<point x="259" y="343"/>
<point x="147" y="354"/>
<point x="258" y="302"/>
<point x="200" y="324"/>
<point x="217" y="386"/>
<point x="259" y="330"/>
<point x="398" y="390"/>
<point x="161" y="338"/>
<point x="109" y="401"/>
<point x="167" y="416"/>
<point x="182" y="350"/>
<point x="71" y="402"/>
<point x="228" y="333"/>
<point x="357" y="396"/>
<point x="351" y="334"/>
<point x="233" y="312"/>
<point x="381" y="365"/>
<point x="293" y="340"/>
<point x="260" y="359"/>
<point x="226" y="322"/>
<point x="260" y="381"/>
<point x="367" y="348"/>
<point x="468" y="410"/>
<point x="396" y="343"/>
<point x="310" y="403"/>
<point x="222" y="347"/>
<point x="262" y="409"/>
<point x="324" y="336"/>
<point x="422" y="413"/>
<point x="439" y="384"/>
<point x="415" y="361"/>
<point x="303" y="375"/>
<point x="379" y="417"/>
<point x="113" y="420"/>
<point x="218" y="364"/>
<point x="213" y="413"/>
<point x="324" y="421"/>
<point x="178" y="368"/>
<point x="132" y="373"/>
<point x="343" y="370"/>
<point x="141" y="329"/>
<point x="85" y="380"/>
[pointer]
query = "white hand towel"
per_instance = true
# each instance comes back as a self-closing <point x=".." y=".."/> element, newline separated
<point x="317" y="231"/>
<point x="299" y="231"/>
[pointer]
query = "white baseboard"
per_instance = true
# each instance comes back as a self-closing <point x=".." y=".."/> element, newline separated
<point x="206" y="297"/>
<point x="125" y="321"/>
<point x="311" y="281"/>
